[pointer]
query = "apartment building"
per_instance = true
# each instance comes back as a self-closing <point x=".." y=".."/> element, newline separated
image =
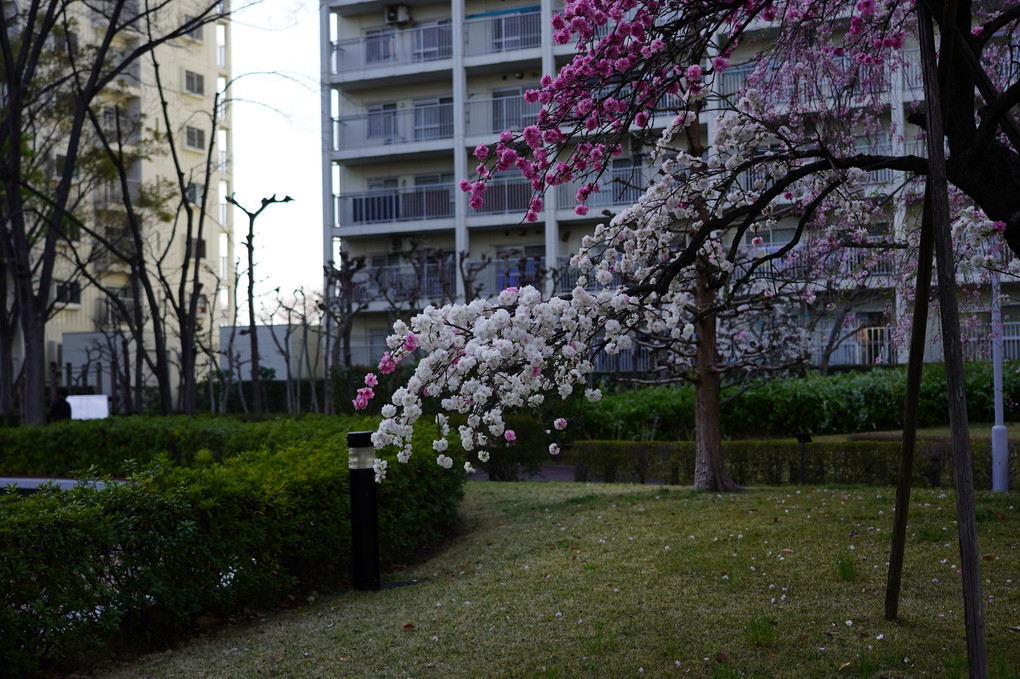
<point x="409" y="90"/>
<point x="88" y="347"/>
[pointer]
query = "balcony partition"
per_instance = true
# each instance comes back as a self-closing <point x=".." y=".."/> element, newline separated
<point x="393" y="126"/>
<point x="434" y="201"/>
<point x="421" y="44"/>
<point x="502" y="32"/>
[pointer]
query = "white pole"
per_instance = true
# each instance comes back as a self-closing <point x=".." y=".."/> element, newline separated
<point x="1000" y="446"/>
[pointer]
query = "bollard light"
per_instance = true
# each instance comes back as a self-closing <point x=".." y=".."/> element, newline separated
<point x="364" y="513"/>
<point x="803" y="438"/>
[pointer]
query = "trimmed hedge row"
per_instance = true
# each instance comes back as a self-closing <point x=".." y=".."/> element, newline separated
<point x="143" y="559"/>
<point x="836" y="404"/>
<point x="106" y="445"/>
<point x="775" y="462"/>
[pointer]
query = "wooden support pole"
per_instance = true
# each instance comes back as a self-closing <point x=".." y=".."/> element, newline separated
<point x="977" y="655"/>
<point x="918" y="329"/>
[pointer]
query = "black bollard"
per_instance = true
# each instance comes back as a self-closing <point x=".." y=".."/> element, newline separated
<point x="364" y="514"/>
<point x="803" y="438"/>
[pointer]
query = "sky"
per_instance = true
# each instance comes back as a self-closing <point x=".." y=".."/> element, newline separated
<point x="276" y="140"/>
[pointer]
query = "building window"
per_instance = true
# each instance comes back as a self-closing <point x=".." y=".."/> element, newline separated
<point x="194" y="138"/>
<point x="224" y="248"/>
<point x="433" y="40"/>
<point x="197" y="248"/>
<point x="68" y="292"/>
<point x="194" y="193"/>
<point x="382" y="122"/>
<point x="433" y="118"/>
<point x="194" y="83"/>
<point x="221" y="150"/>
<point x="112" y="120"/>
<point x="380" y="46"/>
<point x="196" y="32"/>
<point x="221" y="45"/>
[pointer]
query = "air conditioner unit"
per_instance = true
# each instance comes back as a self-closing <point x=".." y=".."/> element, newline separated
<point x="397" y="15"/>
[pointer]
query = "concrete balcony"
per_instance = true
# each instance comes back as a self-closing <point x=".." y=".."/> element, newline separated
<point x="384" y="53"/>
<point x="393" y="127"/>
<point x="502" y="32"/>
<point x="418" y="203"/>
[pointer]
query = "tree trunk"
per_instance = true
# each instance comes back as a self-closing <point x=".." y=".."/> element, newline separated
<point x="709" y="471"/>
<point x="33" y="406"/>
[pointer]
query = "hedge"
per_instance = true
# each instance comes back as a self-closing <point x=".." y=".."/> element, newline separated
<point x="142" y="560"/>
<point x="860" y="401"/>
<point x="776" y="462"/>
<point x="111" y="446"/>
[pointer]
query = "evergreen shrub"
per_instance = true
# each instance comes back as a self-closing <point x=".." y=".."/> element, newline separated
<point x="777" y="462"/>
<point x="858" y="401"/>
<point x="111" y="446"/>
<point x="140" y="561"/>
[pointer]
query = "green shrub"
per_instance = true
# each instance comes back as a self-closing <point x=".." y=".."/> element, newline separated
<point x="110" y="446"/>
<point x="858" y="401"/>
<point x="141" y="560"/>
<point x="777" y="462"/>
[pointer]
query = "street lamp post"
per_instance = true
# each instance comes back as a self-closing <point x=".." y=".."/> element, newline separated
<point x="1000" y="446"/>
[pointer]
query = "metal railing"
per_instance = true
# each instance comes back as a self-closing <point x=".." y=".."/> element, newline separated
<point x="416" y="45"/>
<point x="433" y="201"/>
<point x="913" y="80"/>
<point x="394" y="126"/>
<point x="502" y="273"/>
<point x="507" y="195"/>
<point x="502" y="33"/>
<point x="110" y="195"/>
<point x="492" y="116"/>
<point x="866" y="346"/>
<point x="405" y="282"/>
<point x="620" y="186"/>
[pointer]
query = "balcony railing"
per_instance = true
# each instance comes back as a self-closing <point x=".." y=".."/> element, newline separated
<point x="393" y="48"/>
<point x="430" y="280"/>
<point x="396" y="126"/>
<point x="913" y="80"/>
<point x="619" y="187"/>
<point x="507" y="195"/>
<point x="502" y="273"/>
<point x="434" y="201"/>
<point x="110" y="195"/>
<point x="867" y="346"/>
<point x="502" y="33"/>
<point x="492" y="116"/>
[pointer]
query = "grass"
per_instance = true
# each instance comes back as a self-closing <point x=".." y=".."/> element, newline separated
<point x="846" y="567"/>
<point x="574" y="580"/>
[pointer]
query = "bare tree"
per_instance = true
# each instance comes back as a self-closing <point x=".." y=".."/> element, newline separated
<point x="256" y="395"/>
<point x="52" y="87"/>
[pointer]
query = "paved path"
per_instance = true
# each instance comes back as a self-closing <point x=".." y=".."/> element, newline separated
<point x="25" y="484"/>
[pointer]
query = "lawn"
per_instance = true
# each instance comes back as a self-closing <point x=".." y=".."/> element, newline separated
<point x="578" y="580"/>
